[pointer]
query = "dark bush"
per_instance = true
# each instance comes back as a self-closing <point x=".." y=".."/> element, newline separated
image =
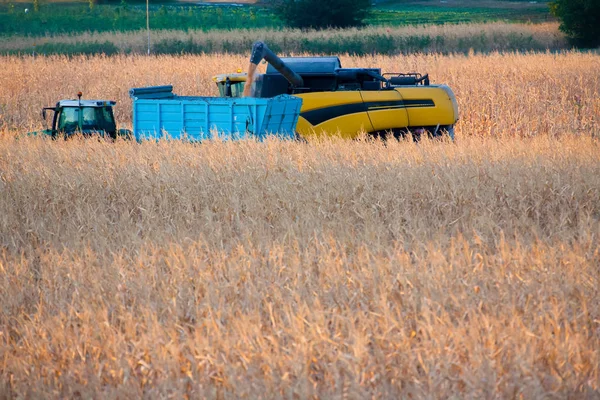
<point x="580" y="20"/>
<point x="319" y="14"/>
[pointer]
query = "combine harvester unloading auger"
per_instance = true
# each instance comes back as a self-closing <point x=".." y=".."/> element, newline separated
<point x="347" y="101"/>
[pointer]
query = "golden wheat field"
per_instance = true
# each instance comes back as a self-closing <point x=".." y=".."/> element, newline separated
<point x="326" y="269"/>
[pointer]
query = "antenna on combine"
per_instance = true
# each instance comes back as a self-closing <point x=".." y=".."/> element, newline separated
<point x="148" y="23"/>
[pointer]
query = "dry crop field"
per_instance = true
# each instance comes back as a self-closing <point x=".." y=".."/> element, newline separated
<point x="327" y="269"/>
<point x="451" y="38"/>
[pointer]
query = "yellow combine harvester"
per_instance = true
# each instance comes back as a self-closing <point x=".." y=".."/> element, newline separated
<point x="347" y="101"/>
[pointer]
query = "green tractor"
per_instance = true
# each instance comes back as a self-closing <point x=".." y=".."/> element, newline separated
<point x="85" y="117"/>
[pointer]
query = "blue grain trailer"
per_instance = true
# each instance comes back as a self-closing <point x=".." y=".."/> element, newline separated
<point x="158" y="113"/>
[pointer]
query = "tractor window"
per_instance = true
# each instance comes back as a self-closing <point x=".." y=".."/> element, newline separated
<point x="98" y="119"/>
<point x="69" y="119"/>
<point x="108" y="119"/>
<point x="108" y="116"/>
<point x="89" y="118"/>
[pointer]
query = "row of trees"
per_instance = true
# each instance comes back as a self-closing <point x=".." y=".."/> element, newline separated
<point x="580" y="19"/>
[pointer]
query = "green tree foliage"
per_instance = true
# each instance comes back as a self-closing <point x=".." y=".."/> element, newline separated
<point x="580" y="20"/>
<point x="320" y="14"/>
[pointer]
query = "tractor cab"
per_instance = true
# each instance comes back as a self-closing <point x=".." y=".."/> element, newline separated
<point x="87" y="117"/>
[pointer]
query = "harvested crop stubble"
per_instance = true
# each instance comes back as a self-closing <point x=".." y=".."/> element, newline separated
<point x="498" y="94"/>
<point x="281" y="269"/>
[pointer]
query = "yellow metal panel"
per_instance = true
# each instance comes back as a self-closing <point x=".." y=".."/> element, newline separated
<point x="389" y="114"/>
<point x="333" y="113"/>
<point x="315" y="100"/>
<point x="349" y="126"/>
<point x="442" y="113"/>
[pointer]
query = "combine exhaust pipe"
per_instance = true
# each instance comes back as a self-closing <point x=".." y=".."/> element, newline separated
<point x="260" y="51"/>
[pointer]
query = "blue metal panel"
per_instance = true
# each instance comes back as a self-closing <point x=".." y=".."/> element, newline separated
<point x="198" y="118"/>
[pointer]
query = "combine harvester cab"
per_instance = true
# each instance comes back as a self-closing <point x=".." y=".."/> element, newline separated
<point x="159" y="113"/>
